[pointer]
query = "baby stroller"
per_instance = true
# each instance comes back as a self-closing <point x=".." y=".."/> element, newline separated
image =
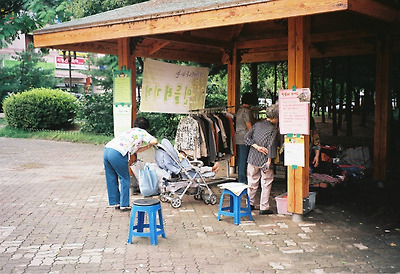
<point x="186" y="177"/>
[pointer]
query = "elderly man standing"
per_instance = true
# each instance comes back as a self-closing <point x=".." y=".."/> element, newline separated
<point x="263" y="139"/>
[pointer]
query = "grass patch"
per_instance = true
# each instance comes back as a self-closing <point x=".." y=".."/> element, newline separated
<point x="56" y="135"/>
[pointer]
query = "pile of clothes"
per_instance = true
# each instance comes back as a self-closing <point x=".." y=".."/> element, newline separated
<point x="338" y="165"/>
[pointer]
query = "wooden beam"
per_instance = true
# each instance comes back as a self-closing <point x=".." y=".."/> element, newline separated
<point x="235" y="32"/>
<point x="192" y="40"/>
<point x="375" y="9"/>
<point x="339" y="35"/>
<point x="299" y="76"/>
<point x="345" y="48"/>
<point x="156" y="46"/>
<point x="262" y="43"/>
<point x="382" y="108"/>
<point x="315" y="38"/>
<point x="98" y="47"/>
<point x="241" y="14"/>
<point x="179" y="55"/>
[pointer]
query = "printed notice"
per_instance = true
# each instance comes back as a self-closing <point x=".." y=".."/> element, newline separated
<point x="294" y="151"/>
<point x="122" y="107"/>
<point x="122" y="87"/>
<point x="294" y="111"/>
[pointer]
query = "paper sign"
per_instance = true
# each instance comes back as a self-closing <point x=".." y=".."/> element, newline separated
<point x="122" y="107"/>
<point x="294" y="111"/>
<point x="294" y="151"/>
<point x="122" y="87"/>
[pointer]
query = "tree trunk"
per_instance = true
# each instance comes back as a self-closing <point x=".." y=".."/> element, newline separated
<point x="283" y="76"/>
<point x="312" y="87"/>
<point x="333" y="104"/>
<point x="349" y="93"/>
<point x="356" y="100"/>
<point x="253" y="71"/>
<point x="323" y="106"/>
<point x="275" y="82"/>
<point x="340" y="109"/>
<point x="364" y="108"/>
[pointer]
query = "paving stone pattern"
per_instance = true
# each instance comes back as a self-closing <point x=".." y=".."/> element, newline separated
<point x="54" y="219"/>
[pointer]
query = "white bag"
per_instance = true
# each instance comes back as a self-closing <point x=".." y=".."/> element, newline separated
<point x="136" y="166"/>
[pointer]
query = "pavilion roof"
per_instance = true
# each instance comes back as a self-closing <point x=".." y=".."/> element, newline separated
<point x="206" y="30"/>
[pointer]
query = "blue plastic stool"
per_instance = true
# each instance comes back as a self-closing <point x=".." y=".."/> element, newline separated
<point x="151" y="206"/>
<point x="234" y="209"/>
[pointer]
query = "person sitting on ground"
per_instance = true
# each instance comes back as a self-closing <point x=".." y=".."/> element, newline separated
<point x="315" y="144"/>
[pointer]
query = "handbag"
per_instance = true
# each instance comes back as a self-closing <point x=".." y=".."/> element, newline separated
<point x="148" y="182"/>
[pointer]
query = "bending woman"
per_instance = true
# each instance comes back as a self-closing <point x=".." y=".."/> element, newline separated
<point x="116" y="161"/>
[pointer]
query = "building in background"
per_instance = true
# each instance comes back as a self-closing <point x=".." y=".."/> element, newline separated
<point x="69" y="76"/>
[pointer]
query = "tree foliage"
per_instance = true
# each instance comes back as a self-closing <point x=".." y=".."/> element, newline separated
<point x="83" y="8"/>
<point x="24" y="16"/>
<point x="26" y="73"/>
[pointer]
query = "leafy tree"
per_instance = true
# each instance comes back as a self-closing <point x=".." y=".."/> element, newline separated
<point x="96" y="113"/>
<point x="103" y="76"/>
<point x="83" y="8"/>
<point x="216" y="95"/>
<point x="23" y="16"/>
<point x="26" y="73"/>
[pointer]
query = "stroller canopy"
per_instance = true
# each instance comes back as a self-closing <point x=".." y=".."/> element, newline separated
<point x="167" y="158"/>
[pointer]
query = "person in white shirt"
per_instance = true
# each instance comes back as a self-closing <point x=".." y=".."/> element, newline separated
<point x="116" y="157"/>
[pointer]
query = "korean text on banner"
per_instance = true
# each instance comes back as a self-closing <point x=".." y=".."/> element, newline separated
<point x="171" y="88"/>
<point x="294" y="111"/>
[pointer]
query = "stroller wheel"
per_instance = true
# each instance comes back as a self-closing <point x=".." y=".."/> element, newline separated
<point x="206" y="198"/>
<point x="176" y="202"/>
<point x="213" y="199"/>
<point x="203" y="195"/>
<point x="163" y="197"/>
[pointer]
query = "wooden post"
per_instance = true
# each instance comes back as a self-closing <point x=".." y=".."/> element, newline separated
<point x="382" y="108"/>
<point x="234" y="81"/>
<point x="126" y="58"/>
<point x="299" y="76"/>
<point x="233" y="87"/>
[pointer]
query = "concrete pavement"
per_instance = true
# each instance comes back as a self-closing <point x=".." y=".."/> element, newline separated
<point x="54" y="219"/>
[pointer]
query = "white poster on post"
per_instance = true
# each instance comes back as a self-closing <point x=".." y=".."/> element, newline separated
<point x="171" y="88"/>
<point x="294" y="150"/>
<point x="122" y="101"/>
<point x="294" y="116"/>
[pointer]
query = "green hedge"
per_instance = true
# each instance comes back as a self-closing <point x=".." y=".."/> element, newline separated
<point x="40" y="108"/>
<point x="96" y="114"/>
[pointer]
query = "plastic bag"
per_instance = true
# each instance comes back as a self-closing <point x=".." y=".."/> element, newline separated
<point x="136" y="166"/>
<point x="148" y="182"/>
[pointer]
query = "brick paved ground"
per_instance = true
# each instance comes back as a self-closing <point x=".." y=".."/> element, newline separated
<point x="54" y="219"/>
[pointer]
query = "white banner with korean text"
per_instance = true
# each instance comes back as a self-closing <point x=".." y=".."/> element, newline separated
<point x="171" y="88"/>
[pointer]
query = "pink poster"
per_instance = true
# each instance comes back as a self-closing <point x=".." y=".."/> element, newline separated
<point x="294" y="111"/>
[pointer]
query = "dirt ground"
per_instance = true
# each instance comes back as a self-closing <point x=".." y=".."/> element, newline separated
<point x="374" y="202"/>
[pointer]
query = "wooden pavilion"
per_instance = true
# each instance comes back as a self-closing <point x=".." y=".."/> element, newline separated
<point x="232" y="32"/>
